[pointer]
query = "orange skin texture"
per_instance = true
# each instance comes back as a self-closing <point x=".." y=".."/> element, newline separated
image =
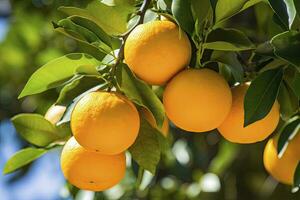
<point x="150" y="118"/>
<point x="232" y="128"/>
<point x="156" y="51"/>
<point x="282" y="169"/>
<point x="197" y="100"/>
<point x="55" y="113"/>
<point x="106" y="122"/>
<point x="90" y="170"/>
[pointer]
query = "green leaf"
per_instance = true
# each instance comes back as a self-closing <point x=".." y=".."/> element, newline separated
<point x="297" y="6"/>
<point x="111" y="18"/>
<point x="230" y="60"/>
<point x="297" y="176"/>
<point x="77" y="87"/>
<point x="200" y="9"/>
<point x="287" y="47"/>
<point x="261" y="95"/>
<point x="228" y="40"/>
<point x="288" y="100"/>
<point x="56" y="72"/>
<point x="182" y="12"/>
<point x="138" y="91"/>
<point x="285" y="11"/>
<point x="36" y="129"/>
<point x="83" y="45"/>
<point x="287" y="134"/>
<point x="225" y="9"/>
<point x="22" y="158"/>
<point x="146" y="149"/>
<point x="296" y="84"/>
<point x="112" y="42"/>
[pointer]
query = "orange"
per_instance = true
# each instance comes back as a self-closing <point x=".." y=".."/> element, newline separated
<point x="55" y="113"/>
<point x="105" y="121"/>
<point x="282" y="169"/>
<point x="90" y="170"/>
<point x="150" y="118"/>
<point x="233" y="128"/>
<point x="156" y="51"/>
<point x="197" y="100"/>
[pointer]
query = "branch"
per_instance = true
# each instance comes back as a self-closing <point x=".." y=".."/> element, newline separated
<point x="141" y="13"/>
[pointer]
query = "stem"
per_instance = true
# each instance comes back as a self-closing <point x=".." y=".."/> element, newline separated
<point x="141" y="13"/>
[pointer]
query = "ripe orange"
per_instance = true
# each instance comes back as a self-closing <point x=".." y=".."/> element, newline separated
<point x="282" y="169"/>
<point x="105" y="121"/>
<point x="55" y="113"/>
<point x="233" y="128"/>
<point x="156" y="51"/>
<point x="150" y="118"/>
<point x="90" y="170"/>
<point x="197" y="100"/>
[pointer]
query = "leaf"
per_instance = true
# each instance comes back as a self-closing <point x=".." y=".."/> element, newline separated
<point x="83" y="45"/>
<point x="56" y="72"/>
<point x="138" y="91"/>
<point x="261" y="95"/>
<point x="114" y="43"/>
<point x="297" y="176"/>
<point x="225" y="9"/>
<point x="287" y="47"/>
<point x="77" y="87"/>
<point x="285" y="11"/>
<point x="296" y="84"/>
<point x="200" y="9"/>
<point x="182" y="12"/>
<point x="22" y="158"/>
<point x="231" y="61"/>
<point x="287" y="134"/>
<point x="146" y="149"/>
<point x="36" y="129"/>
<point x="112" y="19"/>
<point x="228" y="40"/>
<point x="288" y="100"/>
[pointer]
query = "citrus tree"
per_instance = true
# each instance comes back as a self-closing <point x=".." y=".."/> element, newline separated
<point x="144" y="65"/>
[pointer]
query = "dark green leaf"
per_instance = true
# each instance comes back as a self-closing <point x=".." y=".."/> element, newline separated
<point x="285" y="11"/>
<point x="231" y="61"/>
<point x="287" y="46"/>
<point x="297" y="176"/>
<point x="22" y="158"/>
<point x="75" y="88"/>
<point x="114" y="43"/>
<point x="182" y="12"/>
<point x="84" y="46"/>
<point x="146" y="149"/>
<point x="265" y="49"/>
<point x="228" y="40"/>
<point x="36" y="129"/>
<point x="225" y="9"/>
<point x="200" y="9"/>
<point x="287" y="134"/>
<point x="56" y="72"/>
<point x="261" y="95"/>
<point x="288" y="100"/>
<point x="138" y="91"/>
<point x="296" y="84"/>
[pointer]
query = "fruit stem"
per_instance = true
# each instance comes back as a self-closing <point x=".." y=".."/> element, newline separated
<point x="141" y="13"/>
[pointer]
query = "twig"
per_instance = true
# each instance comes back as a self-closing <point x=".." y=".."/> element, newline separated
<point x="141" y="13"/>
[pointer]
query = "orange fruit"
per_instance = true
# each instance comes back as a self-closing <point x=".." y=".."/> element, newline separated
<point x="233" y="128"/>
<point x="282" y="169"/>
<point x="55" y="113"/>
<point x="197" y="100"/>
<point x="156" y="51"/>
<point x="105" y="121"/>
<point x="89" y="170"/>
<point x="150" y="118"/>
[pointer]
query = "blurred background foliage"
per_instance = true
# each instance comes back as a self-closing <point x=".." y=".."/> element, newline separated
<point x="199" y="166"/>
